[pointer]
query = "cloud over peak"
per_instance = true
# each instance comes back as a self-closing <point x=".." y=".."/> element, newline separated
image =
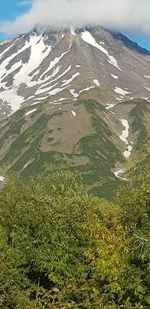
<point x="122" y="15"/>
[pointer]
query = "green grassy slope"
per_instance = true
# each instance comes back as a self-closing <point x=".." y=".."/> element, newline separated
<point x="47" y="135"/>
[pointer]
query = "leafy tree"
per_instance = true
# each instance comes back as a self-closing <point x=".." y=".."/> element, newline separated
<point x="135" y="218"/>
<point x="63" y="248"/>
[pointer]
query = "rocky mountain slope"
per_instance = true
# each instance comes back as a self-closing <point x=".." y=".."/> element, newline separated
<point x="66" y="65"/>
<point x="77" y="100"/>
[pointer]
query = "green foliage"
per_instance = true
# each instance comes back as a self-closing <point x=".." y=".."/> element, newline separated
<point x="138" y="114"/>
<point x="135" y="217"/>
<point x="30" y="137"/>
<point x="63" y="248"/>
<point x="33" y="142"/>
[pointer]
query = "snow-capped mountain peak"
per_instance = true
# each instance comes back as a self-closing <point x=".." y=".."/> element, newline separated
<point x="46" y="64"/>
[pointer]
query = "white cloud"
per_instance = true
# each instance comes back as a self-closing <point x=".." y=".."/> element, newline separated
<point x="123" y="15"/>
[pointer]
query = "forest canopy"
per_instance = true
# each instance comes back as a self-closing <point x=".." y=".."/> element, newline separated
<point x="63" y="248"/>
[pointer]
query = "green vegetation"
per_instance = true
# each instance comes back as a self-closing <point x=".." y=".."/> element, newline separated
<point x="63" y="248"/>
<point x="28" y="143"/>
<point x="103" y="155"/>
<point x="94" y="155"/>
<point x="138" y="114"/>
<point x="30" y="138"/>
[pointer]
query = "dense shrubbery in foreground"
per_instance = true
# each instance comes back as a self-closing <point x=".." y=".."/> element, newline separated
<point x="61" y="248"/>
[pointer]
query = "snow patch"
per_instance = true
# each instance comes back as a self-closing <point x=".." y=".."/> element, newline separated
<point x="124" y="136"/>
<point x="73" y="113"/>
<point x="96" y="82"/>
<point x="30" y="112"/>
<point x="114" y="76"/>
<point x="86" y="89"/>
<point x="38" y="54"/>
<point x="67" y="82"/>
<point x="75" y="95"/>
<point x="88" y="38"/>
<point x="5" y="51"/>
<point x="57" y="90"/>
<point x="120" y="172"/>
<point x="127" y="153"/>
<point x="62" y="99"/>
<point x="121" y="91"/>
<point x="147" y="88"/>
<point x="38" y="48"/>
<point x="125" y="133"/>
<point x="54" y="62"/>
<point x="12" y="98"/>
<point x="113" y="61"/>
<point x="109" y="106"/>
<point x="49" y="81"/>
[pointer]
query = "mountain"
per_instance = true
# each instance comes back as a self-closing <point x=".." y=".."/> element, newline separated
<point x="65" y="65"/>
<point x="74" y="99"/>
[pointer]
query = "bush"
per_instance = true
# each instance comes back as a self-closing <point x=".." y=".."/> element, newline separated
<point x="63" y="248"/>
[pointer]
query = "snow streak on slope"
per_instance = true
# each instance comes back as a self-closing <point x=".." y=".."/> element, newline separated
<point x="38" y="52"/>
<point x="121" y="91"/>
<point x="67" y="82"/>
<point x="96" y="82"/>
<point x="38" y="65"/>
<point x="124" y="136"/>
<point x="12" y="98"/>
<point x="76" y="95"/>
<point x="114" y="76"/>
<point x="46" y="88"/>
<point x="28" y="71"/>
<point x="48" y="80"/>
<point x="125" y="133"/>
<point x="119" y="173"/>
<point x="4" y="71"/>
<point x="73" y="113"/>
<point x="88" y="38"/>
<point x="53" y="63"/>
<point x="109" y="105"/>
<point x="147" y="88"/>
<point x="30" y="112"/>
<point x="5" y="51"/>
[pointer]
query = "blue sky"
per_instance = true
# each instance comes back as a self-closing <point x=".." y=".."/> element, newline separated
<point x="142" y="40"/>
<point x="11" y="9"/>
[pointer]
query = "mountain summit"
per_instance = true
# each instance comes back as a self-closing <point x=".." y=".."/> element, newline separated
<point x="68" y="65"/>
